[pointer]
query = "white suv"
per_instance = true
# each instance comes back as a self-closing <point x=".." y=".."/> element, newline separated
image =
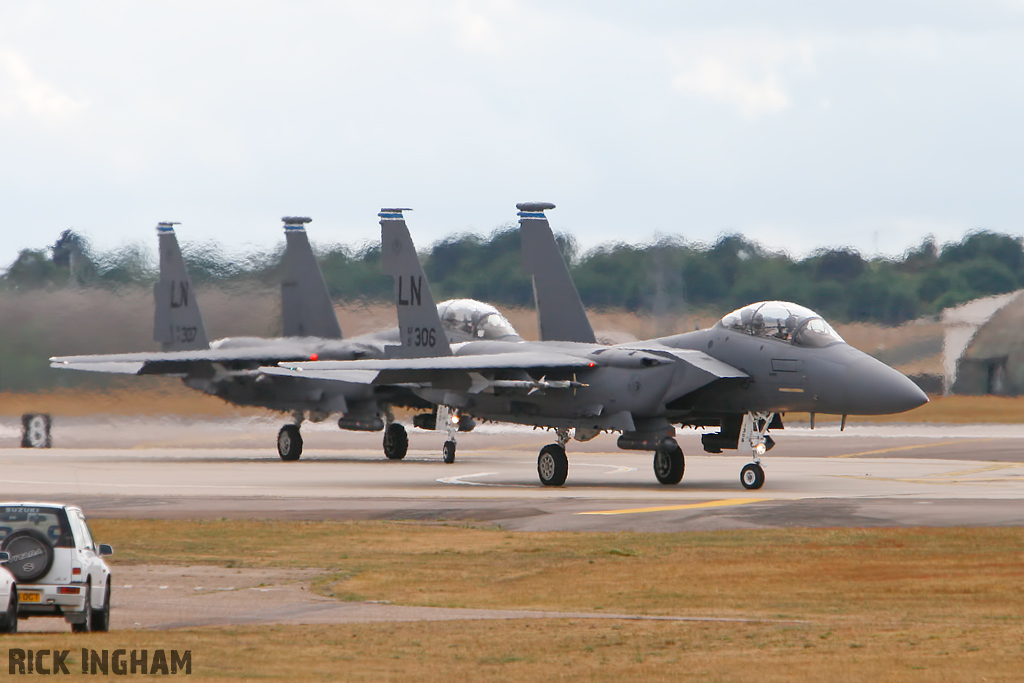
<point x="8" y="598"/>
<point x="59" y="569"/>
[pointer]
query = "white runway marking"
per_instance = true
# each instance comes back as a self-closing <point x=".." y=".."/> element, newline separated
<point x="460" y="479"/>
<point x="612" y="469"/>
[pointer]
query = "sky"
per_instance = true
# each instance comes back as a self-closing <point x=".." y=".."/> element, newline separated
<point x="801" y="124"/>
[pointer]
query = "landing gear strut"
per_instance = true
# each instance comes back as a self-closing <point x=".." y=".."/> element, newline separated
<point x="754" y="432"/>
<point x="396" y="440"/>
<point x="289" y="440"/>
<point x="552" y="465"/>
<point x="448" y="420"/>
<point x="669" y="463"/>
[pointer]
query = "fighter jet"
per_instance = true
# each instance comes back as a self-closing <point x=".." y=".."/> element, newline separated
<point x="741" y="375"/>
<point x="228" y="368"/>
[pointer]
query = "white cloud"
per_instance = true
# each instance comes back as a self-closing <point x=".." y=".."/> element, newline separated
<point x="25" y="95"/>
<point x="477" y="24"/>
<point x="747" y="73"/>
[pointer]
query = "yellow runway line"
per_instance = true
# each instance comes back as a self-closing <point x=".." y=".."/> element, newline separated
<point x="910" y="448"/>
<point x="668" y="508"/>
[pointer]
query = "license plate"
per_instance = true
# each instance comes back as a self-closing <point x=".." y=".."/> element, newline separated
<point x="29" y="597"/>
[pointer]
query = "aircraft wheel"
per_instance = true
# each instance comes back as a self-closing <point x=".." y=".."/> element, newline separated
<point x="752" y="476"/>
<point x="289" y="443"/>
<point x="552" y="465"/>
<point x="669" y="464"/>
<point x="396" y="442"/>
<point x="449" y="452"/>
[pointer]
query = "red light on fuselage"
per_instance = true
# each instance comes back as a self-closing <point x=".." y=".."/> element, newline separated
<point x="314" y="356"/>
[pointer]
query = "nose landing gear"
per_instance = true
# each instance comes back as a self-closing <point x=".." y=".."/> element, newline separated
<point x="754" y="432"/>
<point x="448" y="419"/>
<point x="752" y="476"/>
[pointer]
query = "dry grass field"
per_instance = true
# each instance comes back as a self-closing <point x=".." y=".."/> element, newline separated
<point x="885" y="604"/>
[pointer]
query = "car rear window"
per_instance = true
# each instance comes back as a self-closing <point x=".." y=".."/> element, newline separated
<point x="51" y="522"/>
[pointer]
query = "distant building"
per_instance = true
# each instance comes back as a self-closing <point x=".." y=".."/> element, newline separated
<point x="983" y="346"/>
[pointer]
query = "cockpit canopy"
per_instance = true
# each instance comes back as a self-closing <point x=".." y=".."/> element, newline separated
<point x="784" y="321"/>
<point x="475" y="320"/>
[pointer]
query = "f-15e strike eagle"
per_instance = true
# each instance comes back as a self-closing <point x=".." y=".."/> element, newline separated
<point x="741" y="375"/>
<point x="228" y="368"/>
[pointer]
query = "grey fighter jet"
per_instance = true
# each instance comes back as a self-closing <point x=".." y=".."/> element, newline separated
<point x="741" y="375"/>
<point x="228" y="368"/>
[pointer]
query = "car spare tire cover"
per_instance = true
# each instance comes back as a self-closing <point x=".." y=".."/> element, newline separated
<point x="31" y="555"/>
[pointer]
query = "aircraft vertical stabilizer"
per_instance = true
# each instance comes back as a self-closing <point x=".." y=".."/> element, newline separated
<point x="419" y="325"/>
<point x="178" y="323"/>
<point x="560" y="312"/>
<point x="306" y="307"/>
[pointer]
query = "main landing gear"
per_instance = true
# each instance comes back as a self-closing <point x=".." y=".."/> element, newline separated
<point x="754" y="432"/>
<point x="669" y="463"/>
<point x="289" y="440"/>
<point x="552" y="465"/>
<point x="396" y="440"/>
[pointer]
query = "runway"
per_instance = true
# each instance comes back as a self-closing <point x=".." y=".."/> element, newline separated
<point x="865" y="476"/>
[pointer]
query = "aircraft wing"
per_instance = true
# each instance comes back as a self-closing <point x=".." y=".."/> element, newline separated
<point x="469" y="362"/>
<point x="175" y="362"/>
<point x="117" y="367"/>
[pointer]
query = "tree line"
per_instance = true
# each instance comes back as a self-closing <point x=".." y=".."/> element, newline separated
<point x="662" y="277"/>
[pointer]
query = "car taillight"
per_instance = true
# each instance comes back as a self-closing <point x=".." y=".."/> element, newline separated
<point x="69" y="590"/>
<point x="76" y="571"/>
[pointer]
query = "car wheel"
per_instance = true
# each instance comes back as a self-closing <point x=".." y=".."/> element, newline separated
<point x="10" y="624"/>
<point x="84" y="627"/>
<point x="34" y="552"/>
<point x="101" y="616"/>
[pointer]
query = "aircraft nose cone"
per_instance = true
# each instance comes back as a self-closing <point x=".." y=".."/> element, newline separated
<point x="873" y="388"/>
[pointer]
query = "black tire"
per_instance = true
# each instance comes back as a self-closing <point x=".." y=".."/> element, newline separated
<point x="101" y="616"/>
<point x="552" y="465"/>
<point x="35" y="551"/>
<point x="86" y="625"/>
<point x="449" y="452"/>
<point x="10" y="623"/>
<point x="752" y="476"/>
<point x="289" y="443"/>
<point x="396" y="442"/>
<point x="669" y="464"/>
